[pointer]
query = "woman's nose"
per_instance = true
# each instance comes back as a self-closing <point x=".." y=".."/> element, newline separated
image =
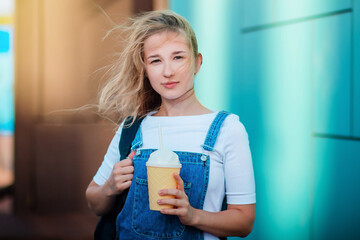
<point x="168" y="70"/>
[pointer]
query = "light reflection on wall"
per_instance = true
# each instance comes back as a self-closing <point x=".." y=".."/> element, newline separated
<point x="284" y="152"/>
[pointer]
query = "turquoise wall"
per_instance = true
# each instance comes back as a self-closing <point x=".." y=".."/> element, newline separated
<point x="291" y="71"/>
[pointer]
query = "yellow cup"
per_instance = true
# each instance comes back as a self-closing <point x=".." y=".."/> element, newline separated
<point x="160" y="178"/>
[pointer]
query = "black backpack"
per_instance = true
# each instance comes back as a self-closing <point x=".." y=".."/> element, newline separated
<point x="106" y="227"/>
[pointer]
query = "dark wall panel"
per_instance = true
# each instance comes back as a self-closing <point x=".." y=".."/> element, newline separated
<point x="66" y="159"/>
<point x="336" y="209"/>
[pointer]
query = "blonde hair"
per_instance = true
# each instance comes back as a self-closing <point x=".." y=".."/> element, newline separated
<point x="128" y="91"/>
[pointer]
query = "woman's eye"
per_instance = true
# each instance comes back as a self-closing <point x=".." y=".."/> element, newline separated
<point x="155" y="61"/>
<point x="178" y="57"/>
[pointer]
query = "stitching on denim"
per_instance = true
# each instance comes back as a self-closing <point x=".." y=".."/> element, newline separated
<point x="194" y="157"/>
<point x="206" y="181"/>
<point x="207" y="148"/>
<point x="209" y="136"/>
<point x="214" y="130"/>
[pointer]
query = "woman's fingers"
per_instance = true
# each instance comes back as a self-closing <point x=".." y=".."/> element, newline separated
<point x="179" y="181"/>
<point x="123" y="178"/>
<point x="123" y="167"/>
<point x="182" y="207"/>
<point x="178" y="192"/>
<point x="180" y="198"/>
<point x="122" y="170"/>
<point x="174" y="201"/>
<point x="172" y="211"/>
<point x="131" y="155"/>
<point x="125" y="162"/>
<point x="174" y="192"/>
<point x="122" y="175"/>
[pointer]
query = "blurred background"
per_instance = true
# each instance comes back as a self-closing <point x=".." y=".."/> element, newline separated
<point x="289" y="68"/>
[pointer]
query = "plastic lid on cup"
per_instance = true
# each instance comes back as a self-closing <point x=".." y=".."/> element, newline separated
<point x="163" y="157"/>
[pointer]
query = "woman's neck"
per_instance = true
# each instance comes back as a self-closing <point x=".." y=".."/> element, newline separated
<point x="184" y="106"/>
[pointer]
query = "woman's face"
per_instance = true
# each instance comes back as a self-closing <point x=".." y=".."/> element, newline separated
<point x="170" y="65"/>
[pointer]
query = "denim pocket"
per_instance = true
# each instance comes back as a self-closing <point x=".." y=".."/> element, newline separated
<point x="153" y="223"/>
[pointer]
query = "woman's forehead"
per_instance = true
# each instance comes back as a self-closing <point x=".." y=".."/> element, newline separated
<point x="165" y="40"/>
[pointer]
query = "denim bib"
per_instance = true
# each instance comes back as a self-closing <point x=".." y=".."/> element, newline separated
<point x="136" y="221"/>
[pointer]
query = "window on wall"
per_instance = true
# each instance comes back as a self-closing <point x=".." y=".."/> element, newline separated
<point x="6" y="103"/>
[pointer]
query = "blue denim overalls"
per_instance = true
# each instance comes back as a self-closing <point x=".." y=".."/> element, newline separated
<point x="136" y="221"/>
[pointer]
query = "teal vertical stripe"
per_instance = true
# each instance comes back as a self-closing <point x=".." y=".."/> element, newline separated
<point x="356" y="68"/>
<point x="6" y="81"/>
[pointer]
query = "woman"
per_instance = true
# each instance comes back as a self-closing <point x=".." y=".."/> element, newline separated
<point x="155" y="80"/>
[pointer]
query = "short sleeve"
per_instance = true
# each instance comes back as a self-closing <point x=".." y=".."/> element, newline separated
<point x="111" y="157"/>
<point x="238" y="167"/>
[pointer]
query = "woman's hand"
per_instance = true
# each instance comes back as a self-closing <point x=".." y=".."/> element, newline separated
<point x="182" y="207"/>
<point x="121" y="176"/>
<point x="101" y="198"/>
<point x="237" y="220"/>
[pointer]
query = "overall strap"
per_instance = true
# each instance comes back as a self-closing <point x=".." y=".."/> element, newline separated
<point x="210" y="141"/>
<point x="214" y="129"/>
<point x="127" y="136"/>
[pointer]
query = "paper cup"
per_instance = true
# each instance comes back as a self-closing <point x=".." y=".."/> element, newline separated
<point x="160" y="178"/>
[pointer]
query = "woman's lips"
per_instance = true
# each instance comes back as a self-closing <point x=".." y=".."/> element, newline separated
<point x="170" y="85"/>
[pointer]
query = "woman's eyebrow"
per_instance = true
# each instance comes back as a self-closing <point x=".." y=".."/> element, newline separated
<point x="178" y="52"/>
<point x="157" y="55"/>
<point x="153" y="56"/>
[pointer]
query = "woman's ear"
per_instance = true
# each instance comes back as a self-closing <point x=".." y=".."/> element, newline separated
<point x="198" y="63"/>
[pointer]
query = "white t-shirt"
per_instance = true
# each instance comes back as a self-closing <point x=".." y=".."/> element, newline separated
<point x="231" y="169"/>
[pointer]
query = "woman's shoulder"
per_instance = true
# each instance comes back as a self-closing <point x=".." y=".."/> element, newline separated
<point x="232" y="119"/>
<point x="233" y="126"/>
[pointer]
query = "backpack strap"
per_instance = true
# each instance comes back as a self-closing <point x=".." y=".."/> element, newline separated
<point x="127" y="136"/>
<point x="106" y="227"/>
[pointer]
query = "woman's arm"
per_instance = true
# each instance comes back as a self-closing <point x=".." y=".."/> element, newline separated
<point x="237" y="220"/>
<point x="101" y="198"/>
